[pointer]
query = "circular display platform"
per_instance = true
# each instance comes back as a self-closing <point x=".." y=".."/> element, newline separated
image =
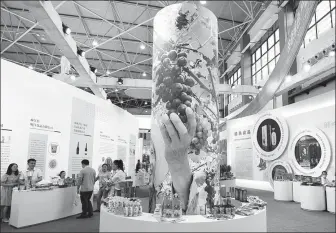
<point x="192" y="223"/>
<point x="139" y="93"/>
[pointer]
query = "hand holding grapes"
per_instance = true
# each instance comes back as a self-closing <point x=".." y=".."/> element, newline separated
<point x="177" y="137"/>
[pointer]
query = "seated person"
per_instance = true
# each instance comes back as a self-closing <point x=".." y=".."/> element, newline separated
<point x="61" y="179"/>
<point x="32" y="175"/>
<point x="324" y="179"/>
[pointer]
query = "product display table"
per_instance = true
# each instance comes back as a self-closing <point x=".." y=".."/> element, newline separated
<point x="228" y="183"/>
<point x="34" y="207"/>
<point x="192" y="223"/>
<point x="331" y="199"/>
<point x="296" y="191"/>
<point x="313" y="198"/>
<point x="283" y="190"/>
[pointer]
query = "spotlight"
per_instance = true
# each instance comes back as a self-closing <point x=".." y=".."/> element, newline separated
<point x="325" y="53"/>
<point x="108" y="72"/>
<point x="66" y="29"/>
<point x="72" y="77"/>
<point x="259" y="88"/>
<point x="306" y="66"/>
<point x="121" y="101"/>
<point x="94" y="43"/>
<point x="203" y="2"/>
<point x="120" y="81"/>
<point x="93" y="69"/>
<point x="233" y="86"/>
<point x="116" y="90"/>
<point x="142" y="46"/>
<point x="146" y="102"/>
<point x="288" y="78"/>
<point x="331" y="53"/>
<point x="250" y="97"/>
<point x="144" y="74"/>
<point x="30" y="67"/>
<point x="80" y="52"/>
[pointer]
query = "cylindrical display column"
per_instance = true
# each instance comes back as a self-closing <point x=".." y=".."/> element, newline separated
<point x="184" y="104"/>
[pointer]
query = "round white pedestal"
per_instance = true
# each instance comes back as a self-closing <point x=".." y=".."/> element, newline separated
<point x="283" y="190"/>
<point x="192" y="223"/>
<point x="296" y="191"/>
<point x="228" y="183"/>
<point x="313" y="198"/>
<point x="331" y="199"/>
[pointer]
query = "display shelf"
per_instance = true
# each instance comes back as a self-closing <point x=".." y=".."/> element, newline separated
<point x="331" y="199"/>
<point x="283" y="190"/>
<point x="296" y="191"/>
<point x="191" y="223"/>
<point x="313" y="198"/>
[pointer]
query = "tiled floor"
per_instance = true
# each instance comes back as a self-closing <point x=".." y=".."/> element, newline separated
<point x="281" y="217"/>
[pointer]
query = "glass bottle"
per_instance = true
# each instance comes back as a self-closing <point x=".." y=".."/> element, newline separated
<point x="77" y="149"/>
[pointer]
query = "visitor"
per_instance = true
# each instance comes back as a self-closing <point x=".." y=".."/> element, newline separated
<point x="61" y="179"/>
<point x="118" y="175"/>
<point x="102" y="162"/>
<point x="324" y="179"/>
<point x="32" y="175"/>
<point x="9" y="180"/>
<point x="86" y="181"/>
<point x="138" y="166"/>
<point x="109" y="163"/>
<point x="103" y="177"/>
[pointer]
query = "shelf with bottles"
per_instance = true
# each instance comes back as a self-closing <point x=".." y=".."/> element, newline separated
<point x="284" y="177"/>
<point x="311" y="181"/>
<point x="225" y="172"/>
<point x="127" y="207"/>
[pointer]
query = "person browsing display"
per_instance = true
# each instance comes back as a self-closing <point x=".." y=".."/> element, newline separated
<point x="8" y="181"/>
<point x="118" y="175"/>
<point x="86" y="181"/>
<point x="61" y="179"/>
<point x="32" y="175"/>
<point x="103" y="178"/>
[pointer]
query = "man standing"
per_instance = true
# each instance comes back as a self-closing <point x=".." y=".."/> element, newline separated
<point x="86" y="181"/>
<point x="32" y="175"/>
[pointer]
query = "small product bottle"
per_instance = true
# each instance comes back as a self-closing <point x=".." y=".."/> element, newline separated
<point x="273" y="138"/>
<point x="85" y="150"/>
<point x="77" y="149"/>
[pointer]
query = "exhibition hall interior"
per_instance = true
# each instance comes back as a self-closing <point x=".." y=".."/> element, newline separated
<point x="168" y="116"/>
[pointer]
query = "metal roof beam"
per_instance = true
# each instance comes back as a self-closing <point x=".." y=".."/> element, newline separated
<point x="51" y="22"/>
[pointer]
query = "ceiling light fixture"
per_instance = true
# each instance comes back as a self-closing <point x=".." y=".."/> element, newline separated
<point x="80" y="52"/>
<point x="259" y="88"/>
<point x="146" y="102"/>
<point x="233" y="86"/>
<point x="120" y="81"/>
<point x="121" y="101"/>
<point x="331" y="53"/>
<point x="144" y="74"/>
<point x="72" y="77"/>
<point x="108" y="72"/>
<point x="93" y="69"/>
<point x="94" y="43"/>
<point x="142" y="46"/>
<point x="250" y="97"/>
<point x="116" y="90"/>
<point x="288" y="78"/>
<point x="306" y="66"/>
<point x="66" y="29"/>
<point x="30" y="67"/>
<point x="203" y="2"/>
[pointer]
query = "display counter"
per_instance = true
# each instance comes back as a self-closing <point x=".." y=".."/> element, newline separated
<point x="228" y="183"/>
<point x="313" y="198"/>
<point x="283" y="190"/>
<point x="296" y="191"/>
<point x="191" y="223"/>
<point x="34" y="207"/>
<point x="330" y="199"/>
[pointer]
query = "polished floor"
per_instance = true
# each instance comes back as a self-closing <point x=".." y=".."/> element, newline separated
<point x="281" y="217"/>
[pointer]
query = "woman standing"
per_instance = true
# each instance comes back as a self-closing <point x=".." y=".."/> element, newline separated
<point x="61" y="180"/>
<point x="8" y="181"/>
<point x="118" y="175"/>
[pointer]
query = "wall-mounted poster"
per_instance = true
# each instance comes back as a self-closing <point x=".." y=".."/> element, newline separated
<point x="278" y="168"/>
<point x="310" y="152"/>
<point x="270" y="136"/>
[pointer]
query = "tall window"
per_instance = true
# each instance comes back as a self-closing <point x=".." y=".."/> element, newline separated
<point x="234" y="79"/>
<point x="323" y="19"/>
<point x="265" y="58"/>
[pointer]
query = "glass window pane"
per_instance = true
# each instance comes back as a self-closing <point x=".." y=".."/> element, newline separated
<point x="264" y="72"/>
<point x="277" y="35"/>
<point x="258" y="77"/>
<point x="258" y="65"/>
<point x="264" y="60"/>
<point x="239" y="81"/>
<point x="253" y="69"/>
<point x="271" y="53"/>
<point x="312" y="22"/>
<point x="239" y="72"/>
<point x="258" y="54"/>
<point x="264" y="47"/>
<point x="277" y="59"/>
<point x="271" y="66"/>
<point x="322" y="9"/>
<point x="277" y="48"/>
<point x="253" y="79"/>
<point x="253" y="58"/>
<point x="270" y="41"/>
<point x="310" y="35"/>
<point x="333" y="18"/>
<point x="323" y="25"/>
<point x="332" y="4"/>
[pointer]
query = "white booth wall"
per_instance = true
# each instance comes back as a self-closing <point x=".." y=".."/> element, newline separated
<point x="59" y="124"/>
<point x="316" y="113"/>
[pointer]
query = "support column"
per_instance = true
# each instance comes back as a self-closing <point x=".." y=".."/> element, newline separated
<point x="245" y="65"/>
<point x="286" y="20"/>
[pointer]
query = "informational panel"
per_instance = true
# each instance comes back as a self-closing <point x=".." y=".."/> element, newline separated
<point x="6" y="139"/>
<point x="244" y="162"/>
<point x="81" y="134"/>
<point x="131" y="157"/>
<point x="37" y="149"/>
